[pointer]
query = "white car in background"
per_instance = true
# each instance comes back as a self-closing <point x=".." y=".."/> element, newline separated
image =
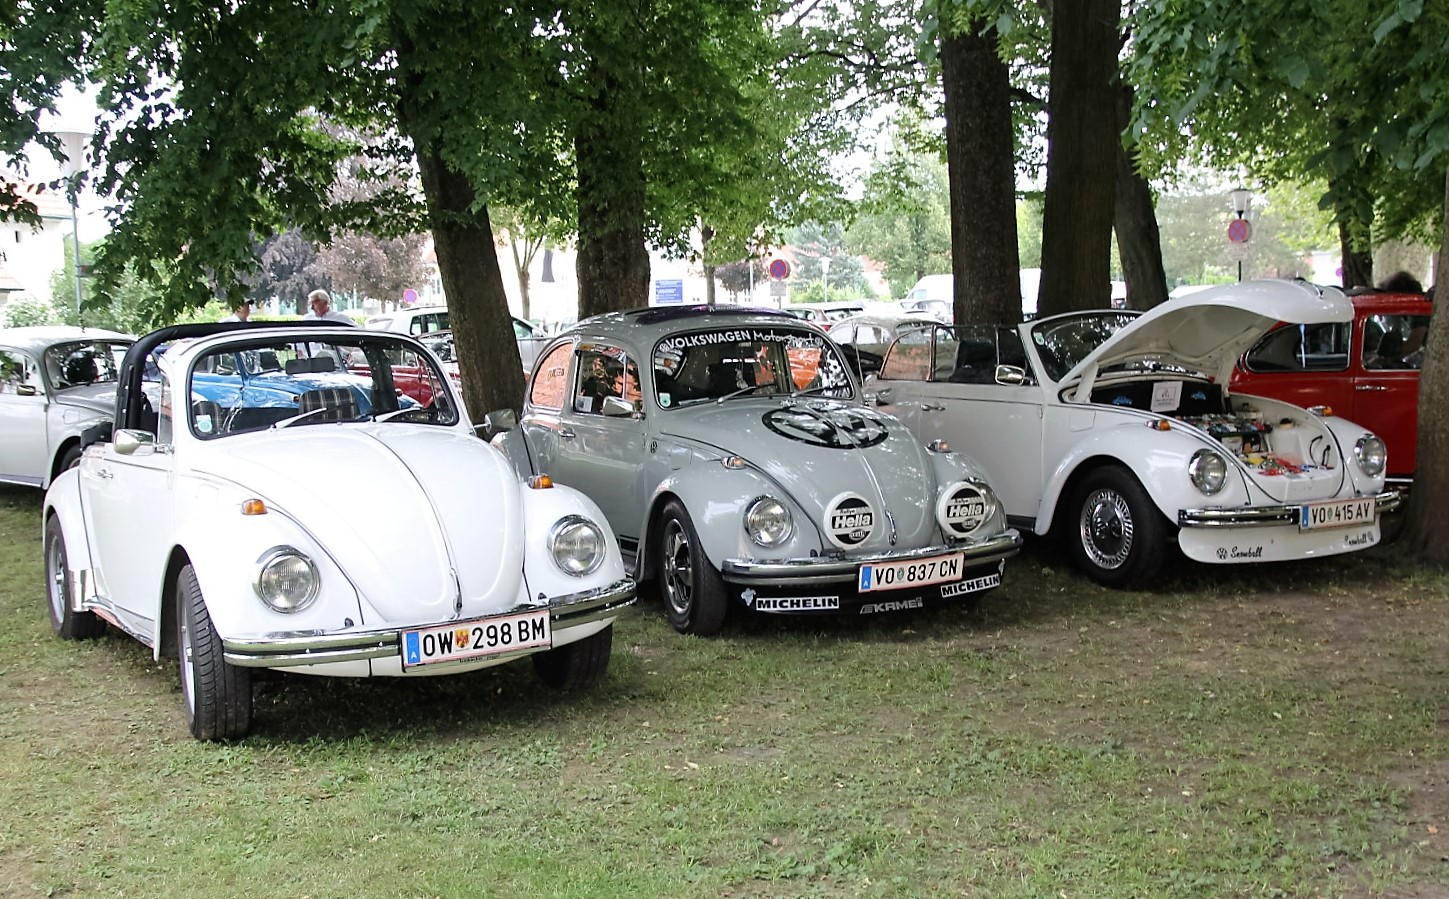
<point x="419" y="321"/>
<point x="54" y="383"/>
<point x="1118" y="429"/>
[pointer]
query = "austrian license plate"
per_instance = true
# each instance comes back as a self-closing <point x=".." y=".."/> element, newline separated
<point x="470" y="639"/>
<point x="1342" y="513"/>
<point x="914" y="573"/>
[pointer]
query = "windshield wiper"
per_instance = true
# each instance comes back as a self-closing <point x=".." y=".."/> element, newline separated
<point x="389" y="416"/>
<point x="742" y="391"/>
<point x="288" y="422"/>
<point x="814" y="391"/>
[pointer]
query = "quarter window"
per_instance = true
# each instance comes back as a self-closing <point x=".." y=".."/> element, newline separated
<point x="550" y="384"/>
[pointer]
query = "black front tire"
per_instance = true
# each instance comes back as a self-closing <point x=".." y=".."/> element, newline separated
<point x="217" y="695"/>
<point x="67" y="623"/>
<point x="578" y="665"/>
<point x="1117" y="535"/>
<point x="695" y="600"/>
<point x="70" y="458"/>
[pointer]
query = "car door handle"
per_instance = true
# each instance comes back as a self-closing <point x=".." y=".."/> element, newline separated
<point x="933" y="407"/>
<point x="104" y="473"/>
<point x="1370" y="387"/>
<point x="567" y="433"/>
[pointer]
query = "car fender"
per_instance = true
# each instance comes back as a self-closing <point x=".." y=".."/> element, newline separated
<point x="1158" y="459"/>
<point x="1347" y="434"/>
<point x="544" y="508"/>
<point x="63" y="500"/>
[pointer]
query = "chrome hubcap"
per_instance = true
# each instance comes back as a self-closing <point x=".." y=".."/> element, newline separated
<point x="1106" y="528"/>
<point x="678" y="568"/>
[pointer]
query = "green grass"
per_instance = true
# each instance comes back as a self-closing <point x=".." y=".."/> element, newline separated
<point x="1264" y="731"/>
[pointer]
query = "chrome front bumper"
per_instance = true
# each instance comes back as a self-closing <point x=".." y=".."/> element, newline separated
<point x="1267" y="516"/>
<point x="836" y="569"/>
<point x="291" y="648"/>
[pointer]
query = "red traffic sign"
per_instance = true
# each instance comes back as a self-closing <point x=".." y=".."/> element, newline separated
<point x="1239" y="231"/>
<point x="779" y="269"/>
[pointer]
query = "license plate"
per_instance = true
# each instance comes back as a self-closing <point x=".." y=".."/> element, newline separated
<point x="905" y="575"/>
<point x="1344" y="513"/>
<point x="471" y="639"/>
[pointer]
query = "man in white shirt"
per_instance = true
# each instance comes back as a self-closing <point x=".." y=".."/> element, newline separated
<point x="321" y="303"/>
<point x="240" y="312"/>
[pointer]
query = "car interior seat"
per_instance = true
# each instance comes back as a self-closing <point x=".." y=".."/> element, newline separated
<point x="725" y="377"/>
<point x="975" y="362"/>
<point x="337" y="403"/>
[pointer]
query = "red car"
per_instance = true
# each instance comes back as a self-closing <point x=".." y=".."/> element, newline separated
<point x="1367" y="371"/>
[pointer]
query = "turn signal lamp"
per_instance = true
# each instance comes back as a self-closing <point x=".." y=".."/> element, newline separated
<point x="939" y="446"/>
<point x="540" y="482"/>
<point x="1160" y="424"/>
<point x="1321" y="411"/>
<point x="254" y="507"/>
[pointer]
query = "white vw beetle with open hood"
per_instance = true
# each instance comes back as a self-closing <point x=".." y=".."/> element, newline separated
<point x="268" y="497"/>
<point x="730" y="452"/>
<point x="1118" y="428"/>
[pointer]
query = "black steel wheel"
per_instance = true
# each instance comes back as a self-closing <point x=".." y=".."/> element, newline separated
<point x="695" y="600"/>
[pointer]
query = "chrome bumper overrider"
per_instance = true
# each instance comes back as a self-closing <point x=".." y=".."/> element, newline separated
<point x="289" y="648"/>
<point x="839" y="568"/>
<point x="1266" y="516"/>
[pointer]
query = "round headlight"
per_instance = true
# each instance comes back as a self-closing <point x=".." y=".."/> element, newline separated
<point x="768" y="521"/>
<point x="577" y="545"/>
<point x="1372" y="455"/>
<point x="1208" y="471"/>
<point x="286" y="580"/>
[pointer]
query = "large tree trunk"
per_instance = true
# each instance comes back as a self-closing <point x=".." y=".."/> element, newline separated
<point x="980" y="164"/>
<point x="613" y="264"/>
<point x="1138" y="241"/>
<point x="483" y="340"/>
<point x="1082" y="149"/>
<point x="1358" y="264"/>
<point x="1427" y="530"/>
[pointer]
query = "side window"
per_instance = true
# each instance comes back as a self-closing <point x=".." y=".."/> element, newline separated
<point x="550" y="384"/>
<point x="1395" y="341"/>
<point x="16" y="372"/>
<point x="843" y="333"/>
<point x="520" y="330"/>
<point x="164" y="414"/>
<point x="974" y="361"/>
<point x="1317" y="347"/>
<point x="603" y="371"/>
<point x="910" y="359"/>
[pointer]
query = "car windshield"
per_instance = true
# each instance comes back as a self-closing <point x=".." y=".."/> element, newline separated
<point x="263" y="383"/>
<point x="1064" y="342"/>
<point x="80" y="363"/>
<point x="719" y="364"/>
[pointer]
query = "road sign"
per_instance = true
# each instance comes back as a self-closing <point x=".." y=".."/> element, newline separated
<point x="779" y="269"/>
<point x="1238" y="251"/>
<point x="668" y="290"/>
<point x="410" y="296"/>
<point x="777" y="289"/>
<point x="1239" y="231"/>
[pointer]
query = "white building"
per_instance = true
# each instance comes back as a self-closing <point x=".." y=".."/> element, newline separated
<point x="30" y="256"/>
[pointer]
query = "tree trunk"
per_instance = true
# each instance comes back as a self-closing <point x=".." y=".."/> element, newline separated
<point x="980" y="164"/>
<point x="483" y="340"/>
<point x="1358" y="265"/>
<point x="1426" y="533"/>
<point x="1082" y="149"/>
<point x="1138" y="241"/>
<point x="613" y="264"/>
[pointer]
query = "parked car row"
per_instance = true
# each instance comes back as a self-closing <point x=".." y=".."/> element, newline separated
<point x="731" y="457"/>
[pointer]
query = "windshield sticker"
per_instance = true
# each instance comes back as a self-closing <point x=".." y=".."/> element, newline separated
<point x="1040" y="340"/>
<point x="842" y="427"/>
<point x="664" y="400"/>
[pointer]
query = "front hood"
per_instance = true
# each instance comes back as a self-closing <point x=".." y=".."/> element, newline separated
<point x="817" y="449"/>
<point x="1207" y="331"/>
<point x="415" y="516"/>
<point x="96" y="398"/>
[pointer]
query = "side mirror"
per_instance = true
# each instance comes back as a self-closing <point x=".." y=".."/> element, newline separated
<point x="1010" y="375"/>
<point x="617" y="407"/>
<point x="25" y="390"/>
<point x="497" y="422"/>
<point x="130" y="442"/>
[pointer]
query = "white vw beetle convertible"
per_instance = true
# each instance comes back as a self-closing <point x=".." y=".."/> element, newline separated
<point x="1118" y="429"/>
<point x="732" y="455"/>
<point x="268" y="497"/>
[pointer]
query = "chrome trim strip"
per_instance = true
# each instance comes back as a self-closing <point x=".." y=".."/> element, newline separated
<point x="1267" y="516"/>
<point x="839" y="568"/>
<point x="288" y="648"/>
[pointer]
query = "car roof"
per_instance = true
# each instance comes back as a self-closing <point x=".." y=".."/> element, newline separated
<point x="39" y="337"/>
<point x="1374" y="302"/>
<point x="646" y="325"/>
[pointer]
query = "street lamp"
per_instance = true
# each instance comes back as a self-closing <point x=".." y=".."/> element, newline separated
<point x="74" y="145"/>
<point x="1239" y="230"/>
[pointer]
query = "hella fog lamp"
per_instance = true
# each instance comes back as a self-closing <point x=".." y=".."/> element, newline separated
<point x="577" y="545"/>
<point x="1208" y="471"/>
<point x="1372" y="455"/>
<point x="768" y="521"/>
<point x="286" y="580"/>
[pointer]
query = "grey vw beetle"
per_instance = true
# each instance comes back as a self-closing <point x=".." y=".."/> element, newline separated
<point x="732" y="456"/>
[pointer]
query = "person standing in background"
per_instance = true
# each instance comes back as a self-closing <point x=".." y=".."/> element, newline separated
<point x="321" y="303"/>
<point x="240" y="312"/>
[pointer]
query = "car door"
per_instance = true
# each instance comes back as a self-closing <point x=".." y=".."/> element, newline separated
<point x="942" y="381"/>
<point x="530" y="341"/>
<point x="601" y="454"/>
<point x="129" y="514"/>
<point x="24" y="445"/>
<point x="1385" y="375"/>
<point x="1307" y="365"/>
